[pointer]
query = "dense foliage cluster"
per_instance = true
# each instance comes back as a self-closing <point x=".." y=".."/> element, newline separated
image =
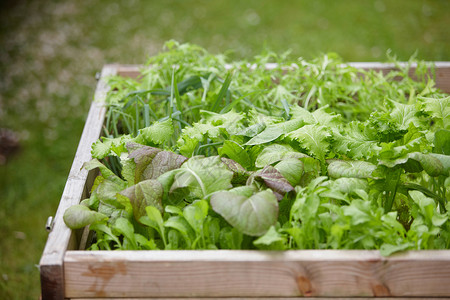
<point x="273" y="153"/>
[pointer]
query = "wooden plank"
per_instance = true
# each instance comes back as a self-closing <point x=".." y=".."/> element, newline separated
<point x="228" y="273"/>
<point x="51" y="263"/>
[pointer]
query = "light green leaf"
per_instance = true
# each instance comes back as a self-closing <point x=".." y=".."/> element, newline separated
<point x="106" y="173"/>
<point x="272" y="132"/>
<point x="388" y="249"/>
<point x="355" y="141"/>
<point x="154" y="220"/>
<point x="319" y="116"/>
<point x="314" y="138"/>
<point x="235" y="152"/>
<point x="202" y="176"/>
<point x="271" y="240"/>
<point x="404" y="115"/>
<point x="159" y="132"/>
<point x="127" y="230"/>
<point x="195" y="214"/>
<point x="291" y="169"/>
<point x="276" y="152"/>
<point x="252" y="216"/>
<point x="350" y="168"/>
<point x="439" y="109"/>
<point x="78" y="216"/>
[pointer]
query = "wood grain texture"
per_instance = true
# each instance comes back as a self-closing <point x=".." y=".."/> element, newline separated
<point x="59" y="239"/>
<point x="227" y="273"/>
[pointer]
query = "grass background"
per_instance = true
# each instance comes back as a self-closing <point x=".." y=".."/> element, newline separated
<point x="51" y="50"/>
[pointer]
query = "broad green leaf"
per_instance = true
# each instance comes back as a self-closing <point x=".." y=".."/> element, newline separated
<point x="445" y="161"/>
<point x="442" y="142"/>
<point x="202" y="176"/>
<point x="145" y="193"/>
<point x="230" y="121"/>
<point x="350" y="168"/>
<point x="235" y="152"/>
<point x="349" y="185"/>
<point x="252" y="216"/>
<point x="313" y="138"/>
<point x="358" y="211"/>
<point x="291" y="169"/>
<point x="78" y="216"/>
<point x="432" y="165"/>
<point x="276" y="152"/>
<point x="273" y="132"/>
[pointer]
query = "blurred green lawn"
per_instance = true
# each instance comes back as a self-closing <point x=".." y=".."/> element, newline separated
<point x="51" y="50"/>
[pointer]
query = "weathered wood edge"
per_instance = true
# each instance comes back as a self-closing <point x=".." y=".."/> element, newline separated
<point x="250" y="273"/>
<point x="51" y="263"/>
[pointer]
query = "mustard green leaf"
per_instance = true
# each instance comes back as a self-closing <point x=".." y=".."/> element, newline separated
<point x="252" y="215"/>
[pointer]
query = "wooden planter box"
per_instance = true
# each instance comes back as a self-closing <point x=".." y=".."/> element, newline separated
<point x="68" y="272"/>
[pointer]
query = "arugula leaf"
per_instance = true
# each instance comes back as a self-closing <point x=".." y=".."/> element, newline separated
<point x="271" y="240"/>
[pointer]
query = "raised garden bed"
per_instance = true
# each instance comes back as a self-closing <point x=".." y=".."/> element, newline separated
<point x="67" y="271"/>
